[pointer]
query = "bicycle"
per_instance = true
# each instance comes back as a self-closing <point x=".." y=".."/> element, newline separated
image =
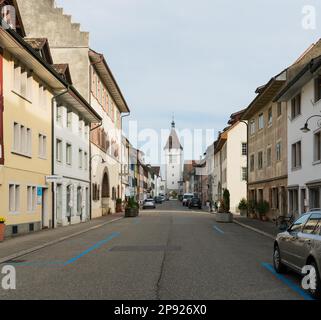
<point x="284" y="222"/>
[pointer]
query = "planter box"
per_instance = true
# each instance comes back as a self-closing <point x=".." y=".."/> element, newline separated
<point x="224" y="217"/>
<point x="2" y="231"/>
<point x="131" y="213"/>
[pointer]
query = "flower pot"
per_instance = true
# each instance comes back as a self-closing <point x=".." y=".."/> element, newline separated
<point x="131" y="212"/>
<point x="264" y="218"/>
<point x="119" y="208"/>
<point x="243" y="212"/>
<point x="2" y="230"/>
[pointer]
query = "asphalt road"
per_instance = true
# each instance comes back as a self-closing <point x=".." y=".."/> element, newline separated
<point x="168" y="253"/>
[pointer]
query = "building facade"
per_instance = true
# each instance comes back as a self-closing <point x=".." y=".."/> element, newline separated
<point x="230" y="162"/>
<point x="302" y="96"/>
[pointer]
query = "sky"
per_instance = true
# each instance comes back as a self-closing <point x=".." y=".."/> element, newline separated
<point x="199" y="60"/>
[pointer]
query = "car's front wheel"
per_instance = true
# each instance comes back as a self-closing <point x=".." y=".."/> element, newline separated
<point x="277" y="262"/>
<point x="316" y="292"/>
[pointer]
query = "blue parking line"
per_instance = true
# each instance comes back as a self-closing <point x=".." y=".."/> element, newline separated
<point x="218" y="230"/>
<point x="94" y="247"/>
<point x="288" y="282"/>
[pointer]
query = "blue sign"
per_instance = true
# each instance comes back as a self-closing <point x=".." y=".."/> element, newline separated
<point x="39" y="192"/>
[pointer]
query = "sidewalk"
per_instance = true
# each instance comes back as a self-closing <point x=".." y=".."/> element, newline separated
<point x="265" y="228"/>
<point x="13" y="248"/>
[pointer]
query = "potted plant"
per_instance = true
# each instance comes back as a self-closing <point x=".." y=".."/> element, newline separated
<point x="2" y="228"/>
<point x="251" y="208"/>
<point x="224" y="214"/>
<point x="132" y="208"/>
<point x="243" y="207"/>
<point x="263" y="208"/>
<point x="119" y="205"/>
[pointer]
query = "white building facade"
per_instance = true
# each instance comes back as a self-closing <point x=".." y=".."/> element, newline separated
<point x="303" y="97"/>
<point x="72" y="119"/>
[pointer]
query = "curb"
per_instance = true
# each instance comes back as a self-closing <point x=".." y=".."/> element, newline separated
<point x="50" y="243"/>
<point x="255" y="230"/>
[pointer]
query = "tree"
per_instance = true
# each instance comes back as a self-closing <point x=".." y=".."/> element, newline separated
<point x="226" y="200"/>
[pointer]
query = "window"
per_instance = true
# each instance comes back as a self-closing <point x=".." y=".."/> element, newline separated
<point x="22" y="140"/>
<point x="59" y="115"/>
<point x="299" y="224"/>
<point x="279" y="108"/>
<point x="275" y="198"/>
<point x="42" y="96"/>
<point x="31" y="198"/>
<point x="260" y="160"/>
<point x="59" y="150"/>
<point x="172" y="159"/>
<point x="244" y="149"/>
<point x="278" y="151"/>
<point x="81" y="126"/>
<point x="42" y="146"/>
<point x="80" y="158"/>
<point x="317" y="89"/>
<point x="270" y="117"/>
<point x="252" y="163"/>
<point x="252" y="127"/>
<point x="314" y="197"/>
<point x="86" y="161"/>
<point x="69" y="154"/>
<point x="244" y="174"/>
<point x="261" y="121"/>
<point x="22" y="82"/>
<point x="313" y="224"/>
<point x="269" y="157"/>
<point x="296" y="155"/>
<point x="317" y="146"/>
<point x="79" y="201"/>
<point x="14" y="197"/>
<point x="224" y="176"/>
<point x="294" y="201"/>
<point x="69" y="119"/>
<point x="296" y="106"/>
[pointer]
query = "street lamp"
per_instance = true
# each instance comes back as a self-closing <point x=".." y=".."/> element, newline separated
<point x="306" y="128"/>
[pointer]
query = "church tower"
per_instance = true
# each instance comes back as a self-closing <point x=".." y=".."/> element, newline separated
<point x="174" y="162"/>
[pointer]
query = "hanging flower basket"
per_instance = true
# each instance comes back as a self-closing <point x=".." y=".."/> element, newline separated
<point x="2" y="228"/>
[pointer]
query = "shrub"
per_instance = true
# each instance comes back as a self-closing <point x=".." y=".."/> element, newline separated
<point x="263" y="208"/>
<point x="243" y="204"/>
<point x="226" y="200"/>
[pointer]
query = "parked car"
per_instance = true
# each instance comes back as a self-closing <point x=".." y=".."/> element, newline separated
<point x="300" y="245"/>
<point x="149" y="204"/>
<point x="163" y="198"/>
<point x="186" y="197"/>
<point x="158" y="200"/>
<point x="195" y="203"/>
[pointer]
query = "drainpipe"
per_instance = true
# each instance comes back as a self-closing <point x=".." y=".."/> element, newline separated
<point x="121" y="156"/>
<point x="53" y="187"/>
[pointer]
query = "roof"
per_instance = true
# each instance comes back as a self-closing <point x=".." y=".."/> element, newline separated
<point x="41" y="45"/>
<point x="236" y="116"/>
<point x="305" y="75"/>
<point x="266" y="94"/>
<point x="156" y="170"/>
<point x="106" y="76"/>
<point x="19" y="48"/>
<point x="19" y="24"/>
<point x="173" y="141"/>
<point x="64" y="71"/>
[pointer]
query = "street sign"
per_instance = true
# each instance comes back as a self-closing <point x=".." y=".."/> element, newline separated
<point x="54" y="179"/>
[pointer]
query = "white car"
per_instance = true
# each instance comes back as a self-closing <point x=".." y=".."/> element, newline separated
<point x="186" y="197"/>
<point x="149" y="204"/>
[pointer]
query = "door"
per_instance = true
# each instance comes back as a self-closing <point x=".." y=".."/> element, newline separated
<point x="44" y="209"/>
<point x="59" y="204"/>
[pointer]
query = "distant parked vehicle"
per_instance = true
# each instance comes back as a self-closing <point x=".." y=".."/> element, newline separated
<point x="186" y="197"/>
<point x="149" y="204"/>
<point x="158" y="200"/>
<point x="195" y="203"/>
<point x="299" y="246"/>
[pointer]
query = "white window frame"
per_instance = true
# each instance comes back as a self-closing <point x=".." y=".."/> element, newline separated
<point x="16" y="194"/>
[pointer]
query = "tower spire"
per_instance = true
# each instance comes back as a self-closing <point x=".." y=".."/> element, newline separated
<point x="173" y="122"/>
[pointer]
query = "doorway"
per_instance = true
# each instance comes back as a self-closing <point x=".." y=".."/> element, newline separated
<point x="44" y="209"/>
